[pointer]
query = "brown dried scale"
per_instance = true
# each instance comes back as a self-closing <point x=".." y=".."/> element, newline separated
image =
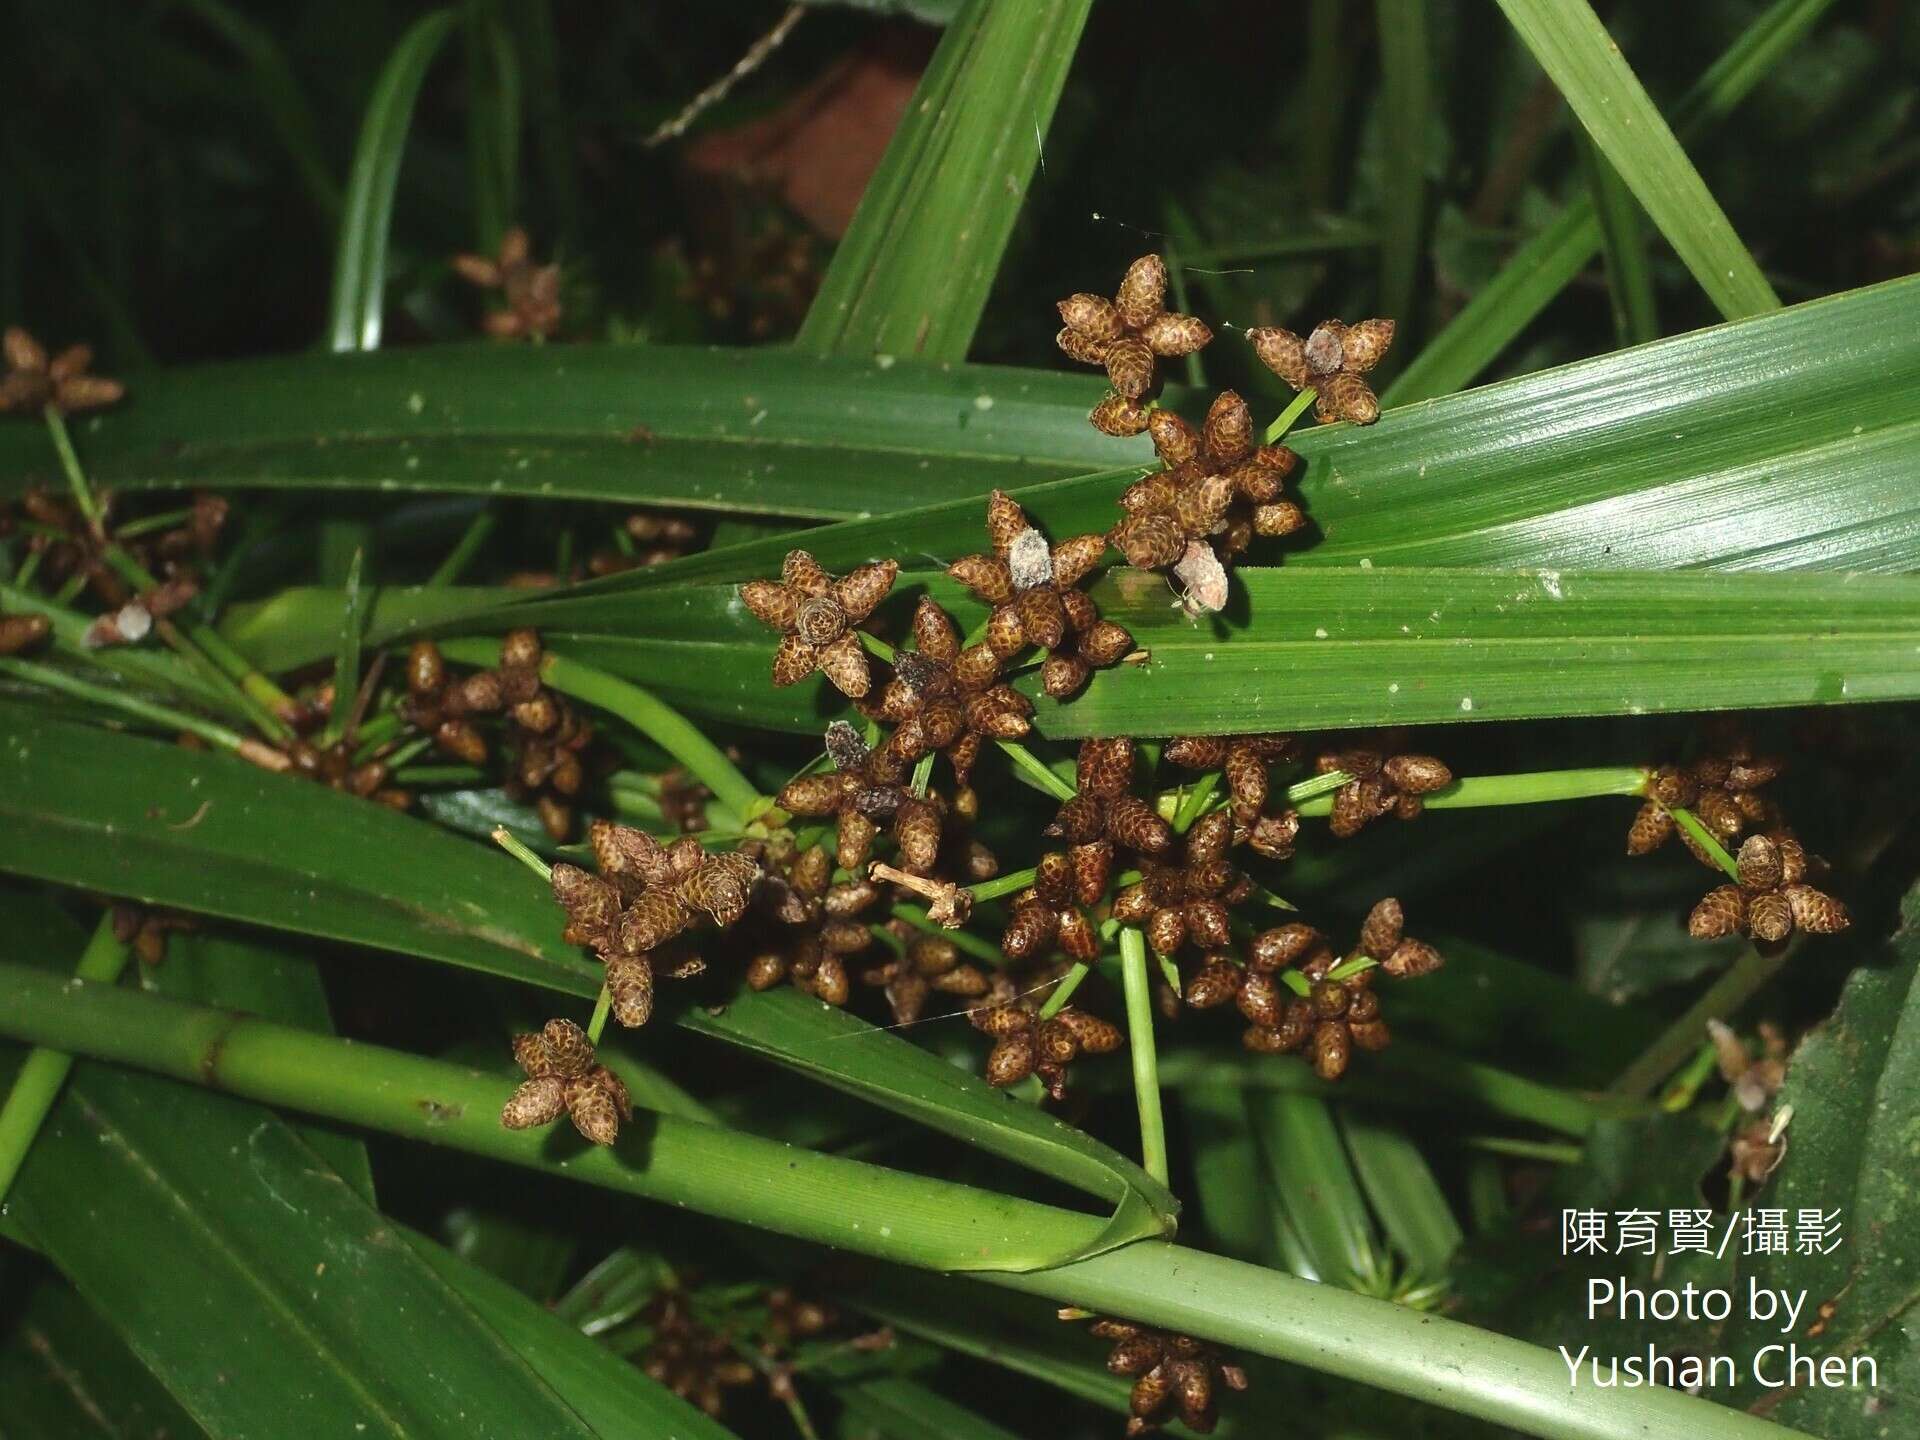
<point x="866" y="788"/>
<point x="1771" y="899"/>
<point x="944" y="698"/>
<point x="1216" y="491"/>
<point x="1033" y="589"/>
<point x="1174" y="1376"/>
<point x="21" y="633"/>
<point x="34" y="381"/>
<point x="1188" y="903"/>
<point x="562" y="1075"/>
<point x="1331" y="361"/>
<point x="1129" y="333"/>
<point x="1024" y="1044"/>
<point x="531" y="292"/>
<point x="1243" y="761"/>
<point x="1382" y="784"/>
<point x="816" y="616"/>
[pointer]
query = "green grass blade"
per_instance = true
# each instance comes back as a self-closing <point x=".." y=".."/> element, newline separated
<point x="360" y="259"/>
<point x="615" y="1398"/>
<point x="1401" y="1188"/>
<point x="912" y="275"/>
<point x="184" y="1215"/>
<point x="493" y="125"/>
<point x="1405" y="127"/>
<point x="1623" y="242"/>
<point x="1573" y="47"/>
<point x="1547" y="264"/>
<point x="346" y="655"/>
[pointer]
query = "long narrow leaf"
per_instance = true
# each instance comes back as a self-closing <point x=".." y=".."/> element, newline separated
<point x="912" y="275"/>
<point x="360" y="261"/>
<point x="1573" y="47"/>
<point x="198" y="832"/>
<point x="1547" y="264"/>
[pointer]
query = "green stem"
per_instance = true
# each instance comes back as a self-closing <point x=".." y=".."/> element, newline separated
<point x="50" y="678"/>
<point x="44" y="1071"/>
<point x="1674" y="1045"/>
<point x="1538" y="787"/>
<point x="1194" y="803"/>
<point x="152" y="524"/>
<point x="517" y="848"/>
<point x="602" y="1007"/>
<point x="648" y="714"/>
<point x="1553" y="1151"/>
<point x="1705" y="839"/>
<point x="1036" y="770"/>
<point x="1008" y="884"/>
<point x="83" y="495"/>
<point x="464" y="549"/>
<point x="965" y="941"/>
<point x="1063" y="992"/>
<point x="876" y="646"/>
<point x="461" y="775"/>
<point x="869" y="1210"/>
<point x="1146" y="1062"/>
<point x="264" y="701"/>
<point x="1283" y="422"/>
<point x="1316" y="785"/>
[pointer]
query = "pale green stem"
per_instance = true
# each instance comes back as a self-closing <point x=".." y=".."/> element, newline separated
<point x="50" y="678"/>
<point x="44" y="1071"/>
<point x="1146" y="1066"/>
<point x="1063" y="992"/>
<point x="1706" y="839"/>
<point x="1285" y="420"/>
<point x="464" y="549"/>
<point x="647" y="713"/>
<point x="1538" y="787"/>
<point x="1036" y="769"/>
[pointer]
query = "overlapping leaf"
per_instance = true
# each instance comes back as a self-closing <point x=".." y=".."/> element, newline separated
<point x="200" y="832"/>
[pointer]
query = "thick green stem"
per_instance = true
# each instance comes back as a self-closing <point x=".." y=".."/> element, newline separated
<point x="1146" y="1061"/>
<point x="967" y="942"/>
<point x="648" y="714"/>
<point x="873" y="1211"/>
<point x="1537" y="787"/>
<point x="1194" y="803"/>
<point x="44" y="1071"/>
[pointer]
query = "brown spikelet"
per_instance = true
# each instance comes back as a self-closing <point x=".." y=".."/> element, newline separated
<point x="1133" y="823"/>
<point x="1174" y="440"/>
<point x="1150" y="542"/>
<point x="1769" y="917"/>
<point x="1280" y="947"/>
<point x="1063" y="676"/>
<point x="1722" y="911"/>
<point x="865" y="587"/>
<point x="1381" y="930"/>
<point x="630" y="989"/>
<point x="652" y="920"/>
<point x="1345" y="396"/>
<point x="1411" y="959"/>
<point x="1365" y="343"/>
<point x="1116" y="415"/>
<point x="1143" y="292"/>
<point x="1217" y="982"/>
<point x="1759" y="863"/>
<point x="537" y="1102"/>
<point x="1284" y="353"/>
<point x="1652" y="827"/>
<point x="595" y="1111"/>
<point x="986" y="576"/>
<point x="1106" y="642"/>
<point x="1095" y="1035"/>
<point x="1129" y="365"/>
<point x="1228" y="432"/>
<point x="844" y="663"/>
<point x="1816" y="912"/>
<point x="1170" y="335"/>
<point x="1418" y="774"/>
<point x="1076" y="346"/>
<point x="1332" y="1049"/>
<point x="1011" y="1059"/>
<point x="1094" y="316"/>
